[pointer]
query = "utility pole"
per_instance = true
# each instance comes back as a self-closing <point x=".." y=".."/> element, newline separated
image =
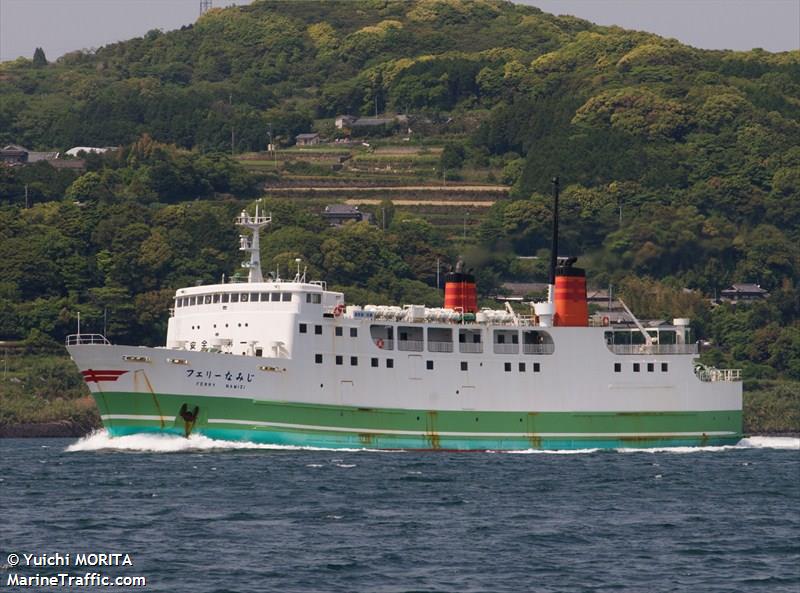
<point x="233" y="133"/>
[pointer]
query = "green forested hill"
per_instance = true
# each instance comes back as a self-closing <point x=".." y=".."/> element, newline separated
<point x="680" y="166"/>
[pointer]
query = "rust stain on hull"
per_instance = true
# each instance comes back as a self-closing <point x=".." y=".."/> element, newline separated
<point x="430" y="431"/>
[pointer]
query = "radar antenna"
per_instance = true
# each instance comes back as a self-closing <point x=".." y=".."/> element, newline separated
<point x="251" y="245"/>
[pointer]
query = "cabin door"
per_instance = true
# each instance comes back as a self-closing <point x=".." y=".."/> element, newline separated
<point x="346" y="393"/>
<point x="415" y="367"/>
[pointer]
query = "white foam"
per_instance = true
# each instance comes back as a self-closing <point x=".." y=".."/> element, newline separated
<point x="100" y="440"/>
<point x="552" y="451"/>
<point x="158" y="443"/>
<point x="757" y="442"/>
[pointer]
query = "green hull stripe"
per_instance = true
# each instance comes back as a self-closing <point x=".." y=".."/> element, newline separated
<point x="344" y="426"/>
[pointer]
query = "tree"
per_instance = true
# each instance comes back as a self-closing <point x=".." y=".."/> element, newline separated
<point x="39" y="58"/>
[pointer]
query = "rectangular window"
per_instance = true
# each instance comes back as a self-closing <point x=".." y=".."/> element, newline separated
<point x="337" y="331"/>
<point x="264" y="297"/>
<point x="286" y="297"/>
<point x="303" y="328"/>
<point x="501" y="339"/>
<point x="253" y="297"/>
<point x="507" y="367"/>
<point x="339" y="359"/>
<point x="308" y="297"/>
<point x="636" y="367"/>
<point x="178" y="303"/>
<point x="664" y="367"/>
<point x="353" y="332"/>
<point x="537" y="368"/>
<point x="617" y="367"/>
<point x="354" y="361"/>
<point x="464" y="366"/>
<point x="390" y="363"/>
<point x="225" y="297"/>
<point x="191" y="301"/>
<point x="216" y="298"/>
<point x="515" y="338"/>
<point x="522" y="367"/>
<point x="208" y="299"/>
<point x="276" y="296"/>
<point x="374" y="362"/>
<point x="316" y="299"/>
<point x="318" y="330"/>
<point x="651" y="367"/>
<point x="429" y="365"/>
<point x="234" y="297"/>
<point x="244" y="297"/>
<point x="318" y="358"/>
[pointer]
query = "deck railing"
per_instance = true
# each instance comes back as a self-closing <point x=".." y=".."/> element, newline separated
<point x="87" y="339"/>
<point x="653" y="348"/>
<point x="538" y="348"/>
<point x="470" y="348"/>
<point x="506" y="348"/>
<point x="434" y="346"/>
<point x="410" y="345"/>
<point x="712" y="375"/>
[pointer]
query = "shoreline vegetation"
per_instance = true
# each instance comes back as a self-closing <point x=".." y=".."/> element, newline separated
<point x="43" y="395"/>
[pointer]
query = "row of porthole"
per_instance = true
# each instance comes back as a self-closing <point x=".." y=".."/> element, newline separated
<point x="215" y="325"/>
<point x="374" y="362"/>
<point x="637" y="367"/>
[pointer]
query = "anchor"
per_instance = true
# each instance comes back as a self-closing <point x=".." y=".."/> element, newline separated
<point x="189" y="418"/>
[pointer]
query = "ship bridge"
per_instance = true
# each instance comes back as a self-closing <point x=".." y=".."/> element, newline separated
<point x="247" y="318"/>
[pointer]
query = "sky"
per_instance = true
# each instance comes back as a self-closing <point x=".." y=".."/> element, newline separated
<point x="60" y="26"/>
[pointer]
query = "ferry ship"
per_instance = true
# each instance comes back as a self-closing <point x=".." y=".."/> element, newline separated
<point x="289" y="362"/>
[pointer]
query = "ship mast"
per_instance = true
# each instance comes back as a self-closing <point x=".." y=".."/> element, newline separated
<point x="251" y="245"/>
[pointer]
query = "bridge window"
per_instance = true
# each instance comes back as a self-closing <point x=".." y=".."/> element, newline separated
<point x="208" y="299"/>
<point x="225" y="297"/>
<point x="234" y="297"/>
<point x="264" y="296"/>
<point x="216" y="298"/>
<point x="244" y="297"/>
<point x="191" y="301"/>
<point x="276" y="296"/>
<point x="286" y="296"/>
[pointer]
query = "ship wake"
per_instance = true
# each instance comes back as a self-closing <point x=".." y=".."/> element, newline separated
<point x="100" y="440"/>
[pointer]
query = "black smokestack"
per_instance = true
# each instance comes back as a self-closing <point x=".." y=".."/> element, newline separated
<point x="554" y="246"/>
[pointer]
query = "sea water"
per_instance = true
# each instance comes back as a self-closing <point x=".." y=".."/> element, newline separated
<point x="201" y="515"/>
